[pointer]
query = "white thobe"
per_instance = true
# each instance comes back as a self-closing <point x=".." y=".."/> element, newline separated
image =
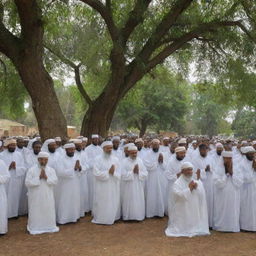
<point x="41" y="215"/>
<point x="164" y="149"/>
<point x="4" y="178"/>
<point x="14" y="186"/>
<point x="106" y="200"/>
<point x="156" y="185"/>
<point x="189" y="210"/>
<point x="67" y="191"/>
<point x="248" y="196"/>
<point x="226" y="198"/>
<point x="133" y="185"/>
<point x="91" y="152"/>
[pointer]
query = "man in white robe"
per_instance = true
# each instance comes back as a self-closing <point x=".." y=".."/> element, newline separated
<point x="156" y="184"/>
<point x="67" y="192"/>
<point x="92" y="151"/>
<point x="117" y="152"/>
<point x="216" y="155"/>
<point x="107" y="175"/>
<point x="40" y="180"/>
<point x="50" y="147"/>
<point x="166" y="145"/>
<point x="248" y="190"/>
<point x="134" y="174"/>
<point x="16" y="165"/>
<point x="4" y="178"/>
<point x="188" y="206"/>
<point x="227" y="180"/>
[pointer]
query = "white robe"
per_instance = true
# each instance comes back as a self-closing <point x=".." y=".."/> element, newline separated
<point x="133" y="185"/>
<point x="67" y="191"/>
<point x="41" y="215"/>
<point x="189" y="210"/>
<point x="91" y="153"/>
<point x="106" y="199"/>
<point x="4" y="178"/>
<point x="156" y="185"/>
<point x="248" y="196"/>
<point x="15" y="184"/>
<point x="226" y="198"/>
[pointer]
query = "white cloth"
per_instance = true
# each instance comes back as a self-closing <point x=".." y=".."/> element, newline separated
<point x="106" y="199"/>
<point x="4" y="178"/>
<point x="41" y="215"/>
<point x="189" y="211"/>
<point x="226" y="198"/>
<point x="133" y="185"/>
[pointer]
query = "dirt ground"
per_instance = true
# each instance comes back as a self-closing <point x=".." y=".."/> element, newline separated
<point x="122" y="239"/>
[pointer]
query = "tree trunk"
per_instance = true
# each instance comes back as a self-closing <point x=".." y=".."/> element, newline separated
<point x="39" y="84"/>
<point x="143" y="129"/>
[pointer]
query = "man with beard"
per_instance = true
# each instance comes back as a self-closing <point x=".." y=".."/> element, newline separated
<point x="156" y="184"/>
<point x="107" y="175"/>
<point x="92" y="151"/>
<point x="173" y="169"/>
<point x="40" y="181"/>
<point x="126" y="152"/>
<point x="134" y="174"/>
<point x="188" y="206"/>
<point x="141" y="150"/>
<point x="192" y="150"/>
<point x="166" y="144"/>
<point x="16" y="165"/>
<point x="32" y="157"/>
<point x="116" y="150"/>
<point x="216" y="155"/>
<point x="50" y="147"/>
<point x="67" y="194"/>
<point x="248" y="190"/>
<point x="59" y="147"/>
<point x="202" y="164"/>
<point x="227" y="180"/>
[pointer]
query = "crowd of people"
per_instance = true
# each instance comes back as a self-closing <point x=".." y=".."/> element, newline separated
<point x="200" y="183"/>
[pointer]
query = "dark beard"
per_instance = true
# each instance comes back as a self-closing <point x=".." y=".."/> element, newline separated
<point x="70" y="154"/>
<point x="219" y="153"/>
<point x="155" y="149"/>
<point x="11" y="150"/>
<point x="36" y="153"/>
<point x="250" y="158"/>
<point x="179" y="158"/>
<point x="79" y="149"/>
<point x="95" y="144"/>
<point x="51" y="150"/>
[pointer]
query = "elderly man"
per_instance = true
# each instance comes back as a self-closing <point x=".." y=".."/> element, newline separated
<point x="4" y="178"/>
<point x="107" y="175"/>
<point x="188" y="206"/>
<point x="134" y="174"/>
<point x="227" y="180"/>
<point x="40" y="181"/>
<point x="68" y="201"/>
<point x="17" y="170"/>
<point x="248" y="190"/>
<point x="156" y="185"/>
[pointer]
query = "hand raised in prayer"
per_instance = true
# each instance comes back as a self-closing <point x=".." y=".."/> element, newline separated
<point x="136" y="169"/>
<point x="198" y="174"/>
<point x="207" y="169"/>
<point x="178" y="174"/>
<point x="112" y="169"/>
<point x="12" y="165"/>
<point x="160" y="158"/>
<point x="192" y="185"/>
<point x="254" y="164"/>
<point x="43" y="174"/>
<point x="78" y="166"/>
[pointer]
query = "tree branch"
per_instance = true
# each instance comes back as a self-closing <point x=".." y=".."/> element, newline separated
<point x="5" y="71"/>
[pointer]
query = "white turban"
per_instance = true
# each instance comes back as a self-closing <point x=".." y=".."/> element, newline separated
<point x="242" y="149"/>
<point x="116" y="138"/>
<point x="166" y="138"/>
<point x="128" y="145"/>
<point x="194" y="141"/>
<point x="182" y="141"/>
<point x="77" y="141"/>
<point x="244" y="142"/>
<point x="9" y="141"/>
<point x="106" y="143"/>
<point x="249" y="149"/>
<point x="69" y="145"/>
<point x="139" y="140"/>
<point x="187" y="165"/>
<point x="132" y="148"/>
<point x="227" y="154"/>
<point x="95" y="136"/>
<point x="84" y="139"/>
<point x="180" y="149"/>
<point x="156" y="141"/>
<point x="43" y="155"/>
<point x="254" y="142"/>
<point x="58" y="139"/>
<point x="219" y="145"/>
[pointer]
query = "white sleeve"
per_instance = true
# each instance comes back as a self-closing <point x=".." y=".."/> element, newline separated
<point x="32" y="178"/>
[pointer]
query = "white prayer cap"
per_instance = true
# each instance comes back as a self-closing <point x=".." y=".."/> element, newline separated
<point x="69" y="145"/>
<point x="139" y="140"/>
<point x="9" y="141"/>
<point x="254" y="142"/>
<point x="58" y="139"/>
<point x="219" y="145"/>
<point x="1" y="143"/>
<point x="249" y="149"/>
<point x="26" y="138"/>
<point x="85" y="139"/>
<point x="95" y="136"/>
<point x="242" y="149"/>
<point x="244" y="142"/>
<point x="166" y="138"/>
<point x="43" y="155"/>
<point x="49" y="141"/>
<point x="106" y="143"/>
<point x="182" y="141"/>
<point x="187" y="165"/>
<point x="155" y="141"/>
<point x="132" y="148"/>
<point x="116" y="138"/>
<point x="128" y="145"/>
<point x="80" y="137"/>
<point x="194" y="141"/>
<point x="227" y="154"/>
<point x="77" y="141"/>
<point x="180" y="149"/>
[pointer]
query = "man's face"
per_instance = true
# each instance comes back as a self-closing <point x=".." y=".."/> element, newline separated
<point x="108" y="149"/>
<point x="203" y="151"/>
<point x="139" y="145"/>
<point x="37" y="148"/>
<point x="26" y="143"/>
<point x="70" y="152"/>
<point x="11" y="147"/>
<point x="126" y="152"/>
<point x="250" y="156"/>
<point x="180" y="155"/>
<point x="155" y="146"/>
<point x="95" y="141"/>
<point x="194" y="145"/>
<point x="58" y="143"/>
<point x="165" y="142"/>
<point x="79" y="147"/>
<point x="20" y="143"/>
<point x="219" y="150"/>
<point x="115" y="144"/>
<point x="172" y="148"/>
<point x="43" y="161"/>
<point x="133" y="154"/>
<point x="52" y="147"/>
<point x="188" y="172"/>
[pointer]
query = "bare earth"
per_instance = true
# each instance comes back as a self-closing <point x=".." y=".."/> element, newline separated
<point x="146" y="238"/>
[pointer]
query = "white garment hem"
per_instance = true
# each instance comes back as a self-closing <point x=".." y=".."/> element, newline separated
<point x="38" y="232"/>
